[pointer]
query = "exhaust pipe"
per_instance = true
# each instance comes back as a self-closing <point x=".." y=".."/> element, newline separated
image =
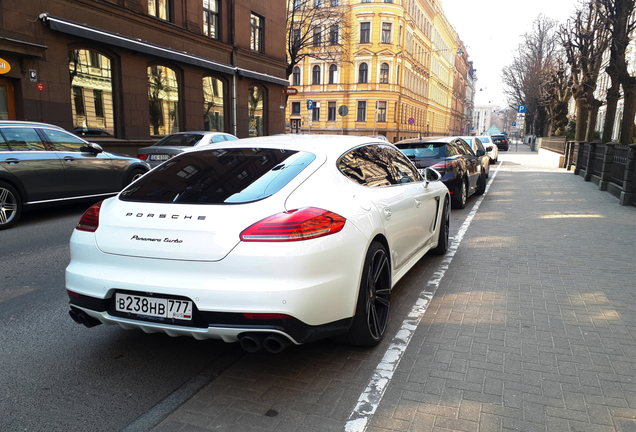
<point x="82" y="317"/>
<point x="252" y="342"/>
<point x="275" y="343"/>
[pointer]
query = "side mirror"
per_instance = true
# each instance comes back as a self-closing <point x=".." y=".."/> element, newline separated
<point x="91" y="148"/>
<point x="480" y="152"/>
<point x="431" y="175"/>
<point x="489" y="148"/>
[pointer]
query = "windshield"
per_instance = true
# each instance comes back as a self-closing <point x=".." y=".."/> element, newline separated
<point x="421" y="150"/>
<point x="180" y="140"/>
<point x="219" y="176"/>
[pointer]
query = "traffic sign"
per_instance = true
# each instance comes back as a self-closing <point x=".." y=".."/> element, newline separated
<point x="310" y="104"/>
<point x="521" y="109"/>
<point x="514" y="123"/>
<point x="411" y="120"/>
<point x="343" y="110"/>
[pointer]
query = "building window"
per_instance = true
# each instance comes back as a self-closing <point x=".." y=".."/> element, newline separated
<point x="397" y="75"/>
<point x="333" y="74"/>
<point x="296" y="76"/>
<point x="315" y="115"/>
<point x="315" y="75"/>
<point x="381" y="111"/>
<point x="386" y="32"/>
<point x="335" y="2"/>
<point x="78" y="100"/>
<point x="160" y="9"/>
<point x="296" y="36"/>
<point x="90" y="74"/>
<point x="163" y="99"/>
<point x="211" y="18"/>
<point x="365" y="32"/>
<point x="363" y="72"/>
<point x="295" y="108"/>
<point x="318" y="3"/>
<point x="331" y="112"/>
<point x="333" y="35"/>
<point x="256" y="103"/>
<point x="362" y="111"/>
<point x="317" y="35"/>
<point x="384" y="73"/>
<point x="256" y="42"/>
<point x="213" y="105"/>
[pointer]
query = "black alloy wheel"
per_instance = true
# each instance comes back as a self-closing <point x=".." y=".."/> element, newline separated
<point x="374" y="300"/>
<point x="481" y="185"/>
<point x="444" y="231"/>
<point x="10" y="206"/>
<point x="134" y="175"/>
<point x="459" y="201"/>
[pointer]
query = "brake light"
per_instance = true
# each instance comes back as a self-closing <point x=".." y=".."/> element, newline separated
<point x="90" y="220"/>
<point x="266" y="316"/>
<point x="294" y="225"/>
<point x="143" y="157"/>
<point x="439" y="166"/>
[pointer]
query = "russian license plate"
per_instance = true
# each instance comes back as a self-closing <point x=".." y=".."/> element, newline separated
<point x="154" y="307"/>
<point x="159" y="157"/>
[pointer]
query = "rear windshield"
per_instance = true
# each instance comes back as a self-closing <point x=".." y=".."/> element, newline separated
<point x="219" y="176"/>
<point x="181" y="140"/>
<point x="421" y="150"/>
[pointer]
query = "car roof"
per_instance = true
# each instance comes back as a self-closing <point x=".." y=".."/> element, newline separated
<point x="318" y="144"/>
<point x="445" y="139"/>
<point x="27" y="123"/>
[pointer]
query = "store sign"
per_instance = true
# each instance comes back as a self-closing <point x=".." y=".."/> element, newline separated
<point x="4" y="66"/>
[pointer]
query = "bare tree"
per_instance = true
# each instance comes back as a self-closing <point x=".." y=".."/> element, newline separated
<point x="522" y="79"/>
<point x="556" y="92"/>
<point x="585" y="38"/>
<point x="315" y="28"/>
<point x="618" y="16"/>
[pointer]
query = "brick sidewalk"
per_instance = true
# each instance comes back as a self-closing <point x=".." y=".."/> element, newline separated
<point x="531" y="329"/>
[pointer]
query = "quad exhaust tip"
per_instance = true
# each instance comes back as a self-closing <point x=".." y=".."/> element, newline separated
<point x="272" y="342"/>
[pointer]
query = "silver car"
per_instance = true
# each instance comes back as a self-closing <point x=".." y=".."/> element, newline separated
<point x="491" y="148"/>
<point x="42" y="164"/>
<point x="171" y="145"/>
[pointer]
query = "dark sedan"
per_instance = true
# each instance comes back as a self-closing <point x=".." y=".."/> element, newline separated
<point x="501" y="141"/>
<point x="171" y="145"/>
<point x="41" y="164"/>
<point x="462" y="170"/>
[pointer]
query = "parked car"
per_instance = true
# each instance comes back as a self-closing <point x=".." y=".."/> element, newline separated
<point x="491" y="148"/>
<point x="461" y="169"/>
<point x="42" y="164"/>
<point x="480" y="151"/>
<point x="501" y="141"/>
<point x="268" y="241"/>
<point x="171" y="145"/>
<point x="91" y="132"/>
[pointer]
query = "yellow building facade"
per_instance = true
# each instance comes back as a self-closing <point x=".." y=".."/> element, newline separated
<point x="394" y="72"/>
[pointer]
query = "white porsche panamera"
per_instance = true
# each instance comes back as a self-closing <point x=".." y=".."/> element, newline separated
<point x="268" y="241"/>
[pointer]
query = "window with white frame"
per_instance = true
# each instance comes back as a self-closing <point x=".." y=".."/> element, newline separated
<point x="363" y="73"/>
<point x="365" y="32"/>
<point x="386" y="32"/>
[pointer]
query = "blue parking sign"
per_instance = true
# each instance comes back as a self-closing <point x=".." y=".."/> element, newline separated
<point x="521" y="109"/>
<point x="310" y="104"/>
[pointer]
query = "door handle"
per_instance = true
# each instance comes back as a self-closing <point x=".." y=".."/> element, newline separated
<point x="418" y="202"/>
<point x="12" y="161"/>
<point x="387" y="213"/>
<point x="69" y="158"/>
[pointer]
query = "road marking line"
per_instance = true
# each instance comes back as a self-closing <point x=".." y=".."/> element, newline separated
<point x="372" y="396"/>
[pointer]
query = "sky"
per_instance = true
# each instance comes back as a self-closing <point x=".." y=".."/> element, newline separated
<point x="492" y="30"/>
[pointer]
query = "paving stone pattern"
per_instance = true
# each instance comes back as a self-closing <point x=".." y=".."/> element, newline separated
<point x="533" y="328"/>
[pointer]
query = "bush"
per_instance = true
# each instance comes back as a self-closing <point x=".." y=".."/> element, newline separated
<point x="570" y="130"/>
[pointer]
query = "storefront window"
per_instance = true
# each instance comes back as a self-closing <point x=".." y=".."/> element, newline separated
<point x="163" y="99"/>
<point x="256" y="105"/>
<point x="213" y="118"/>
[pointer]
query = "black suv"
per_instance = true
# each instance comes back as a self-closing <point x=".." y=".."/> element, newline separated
<point x="501" y="141"/>
<point x="42" y="164"/>
<point x="461" y="168"/>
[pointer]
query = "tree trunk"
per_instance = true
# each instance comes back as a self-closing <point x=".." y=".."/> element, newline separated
<point x="582" y="113"/>
<point x="629" y="112"/>
<point x="591" y="120"/>
<point x="613" y="95"/>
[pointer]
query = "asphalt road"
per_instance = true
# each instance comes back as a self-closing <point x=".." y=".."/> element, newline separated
<point x="56" y="375"/>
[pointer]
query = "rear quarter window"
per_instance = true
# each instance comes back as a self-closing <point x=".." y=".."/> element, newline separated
<point x="219" y="176"/>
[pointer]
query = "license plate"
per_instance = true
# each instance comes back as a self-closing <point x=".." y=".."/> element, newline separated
<point x="159" y="157"/>
<point x="154" y="307"/>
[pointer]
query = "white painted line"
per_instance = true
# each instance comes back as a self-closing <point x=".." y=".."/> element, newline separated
<point x="372" y="396"/>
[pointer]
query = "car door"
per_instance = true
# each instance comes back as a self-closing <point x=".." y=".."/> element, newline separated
<point x="85" y="172"/>
<point x="39" y="170"/>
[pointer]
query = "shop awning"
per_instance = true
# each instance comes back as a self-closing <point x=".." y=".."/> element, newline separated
<point x="115" y="39"/>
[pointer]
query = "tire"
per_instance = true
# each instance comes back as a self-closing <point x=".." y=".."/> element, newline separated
<point x="374" y="300"/>
<point x="481" y="185"/>
<point x="488" y="170"/>
<point x="134" y="175"/>
<point x="459" y="202"/>
<point x="444" y="231"/>
<point x="10" y="206"/>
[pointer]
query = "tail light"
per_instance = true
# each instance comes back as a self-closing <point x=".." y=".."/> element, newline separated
<point x="294" y="225"/>
<point x="440" y="166"/>
<point x="90" y="220"/>
<point x="143" y="157"/>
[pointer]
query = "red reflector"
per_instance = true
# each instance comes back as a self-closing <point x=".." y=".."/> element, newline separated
<point x="90" y="220"/>
<point x="143" y="157"/>
<point x="295" y="225"/>
<point x="265" y="316"/>
<point x="72" y="294"/>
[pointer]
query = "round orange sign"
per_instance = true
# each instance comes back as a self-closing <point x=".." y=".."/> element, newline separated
<point x="4" y="66"/>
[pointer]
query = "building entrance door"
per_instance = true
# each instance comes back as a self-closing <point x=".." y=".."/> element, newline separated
<point x="7" y="101"/>
<point x="295" y="126"/>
